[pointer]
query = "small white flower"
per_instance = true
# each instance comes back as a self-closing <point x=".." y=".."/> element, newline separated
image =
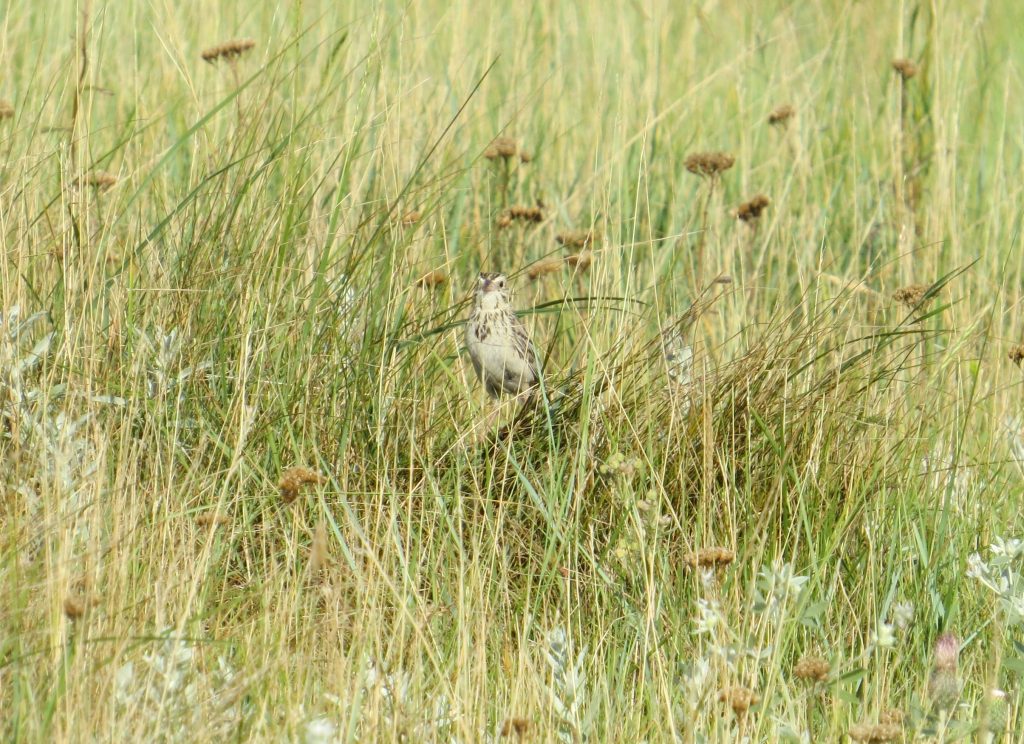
<point x="1004" y="582"/>
<point x="320" y="730"/>
<point x="698" y="673"/>
<point x="903" y="614"/>
<point x="884" y="636"/>
<point x="709" y="616"/>
<point x="125" y="690"/>
<point x="976" y="567"/>
<point x="1008" y="549"/>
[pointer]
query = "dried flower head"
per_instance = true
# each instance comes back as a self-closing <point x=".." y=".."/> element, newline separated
<point x="876" y="733"/>
<point x="943" y="683"/>
<point x="213" y="519"/>
<point x="751" y="211"/>
<point x="502" y="147"/>
<point x="998" y="712"/>
<point x="520" y="213"/>
<point x="6" y="110"/>
<point x="893" y="716"/>
<point x="411" y="217"/>
<point x="781" y="115"/>
<point x="101" y="180"/>
<point x="580" y="261"/>
<point x="710" y="558"/>
<point x="947" y="651"/>
<point x="1017" y="354"/>
<point x="709" y="164"/>
<point x="76" y="605"/>
<point x="432" y="279"/>
<point x="575" y="238"/>
<point x="740" y="699"/>
<point x="229" y="50"/>
<point x="295" y="478"/>
<point x="525" y="157"/>
<point x="905" y="67"/>
<point x="912" y="295"/>
<point x="722" y="279"/>
<point x="618" y="464"/>
<point x="812" y="668"/>
<point x="544" y="266"/>
<point x="517" y="727"/>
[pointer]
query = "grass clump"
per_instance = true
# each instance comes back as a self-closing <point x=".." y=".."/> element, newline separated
<point x="252" y="491"/>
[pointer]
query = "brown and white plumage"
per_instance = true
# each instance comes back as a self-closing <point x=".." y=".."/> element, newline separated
<point x="498" y="345"/>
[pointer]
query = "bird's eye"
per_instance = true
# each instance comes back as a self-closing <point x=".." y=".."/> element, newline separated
<point x="501" y="283"/>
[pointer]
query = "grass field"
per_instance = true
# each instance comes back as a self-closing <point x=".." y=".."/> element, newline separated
<point x="250" y="487"/>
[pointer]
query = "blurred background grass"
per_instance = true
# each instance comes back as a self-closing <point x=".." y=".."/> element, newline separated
<point x="210" y="276"/>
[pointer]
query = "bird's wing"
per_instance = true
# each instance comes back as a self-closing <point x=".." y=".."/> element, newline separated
<point x="525" y="348"/>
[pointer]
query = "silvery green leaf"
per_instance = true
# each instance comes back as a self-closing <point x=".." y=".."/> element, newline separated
<point x="12" y="315"/>
<point x="33" y="358"/>
<point x="187" y="372"/>
<point x="26" y="325"/>
<point x="113" y="400"/>
<point x="556" y="703"/>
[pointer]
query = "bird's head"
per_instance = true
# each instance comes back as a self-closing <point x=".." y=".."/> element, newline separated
<point x="492" y="289"/>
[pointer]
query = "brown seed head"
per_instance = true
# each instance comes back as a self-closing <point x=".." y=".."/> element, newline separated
<point x="943" y="688"/>
<point x="947" y="650"/>
<point x="751" y="211"/>
<point x="1017" y="354"/>
<point x="544" y="266"/>
<point x="520" y="213"/>
<point x="525" y="157"/>
<point x="517" y="727"/>
<point x="905" y="67"/>
<point x="722" y="279"/>
<point x="892" y="716"/>
<point x="781" y="115"/>
<point x="229" y="50"/>
<point x="213" y="519"/>
<point x="812" y="668"/>
<point x="6" y="110"/>
<point x="575" y="238"/>
<point x="911" y="295"/>
<point x="76" y="605"/>
<point x="580" y="261"/>
<point x="101" y="180"/>
<point x="740" y="699"/>
<point x="293" y="479"/>
<point x="432" y="279"/>
<point x="411" y="217"/>
<point x="709" y="163"/>
<point x="504" y="148"/>
<point x="875" y="733"/>
<point x="710" y="558"/>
